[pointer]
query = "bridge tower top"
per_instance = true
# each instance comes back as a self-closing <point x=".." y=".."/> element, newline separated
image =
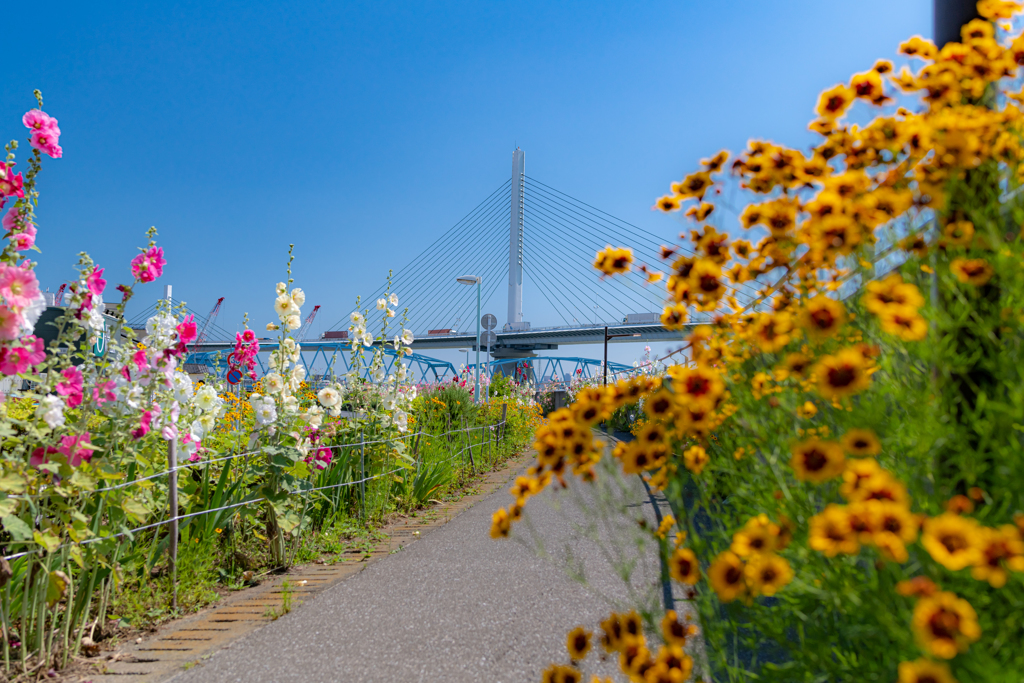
<point x="515" y="240"/>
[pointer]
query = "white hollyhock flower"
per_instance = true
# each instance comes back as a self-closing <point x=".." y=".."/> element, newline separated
<point x="379" y="374"/>
<point x="51" y="410"/>
<point x="273" y="383"/>
<point x="367" y="339"/>
<point x="390" y="313"/>
<point x="291" y="404"/>
<point x="266" y="411"/>
<point x="299" y="297"/>
<point x="315" y="416"/>
<point x="182" y="387"/>
<point x="382" y="304"/>
<point x="31" y="313"/>
<point x="407" y="337"/>
<point x="94" y="320"/>
<point x="357" y="318"/>
<point x="329" y="397"/>
<point x="393" y="299"/>
<point x="401" y="420"/>
<point x="281" y="288"/>
<point x="206" y="399"/>
<point x="293" y="322"/>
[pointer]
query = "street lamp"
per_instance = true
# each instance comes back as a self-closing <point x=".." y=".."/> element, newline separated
<point x="475" y="280"/>
<point x="465" y="351"/>
<point x="606" y="338"/>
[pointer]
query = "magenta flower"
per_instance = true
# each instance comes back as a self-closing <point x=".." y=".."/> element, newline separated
<point x="95" y="282"/>
<point x="37" y="119"/>
<point x="13" y="218"/>
<point x="140" y="360"/>
<point x="41" y="455"/>
<point x="149" y="265"/>
<point x="34" y="347"/>
<point x="248" y="336"/>
<point x="103" y="392"/>
<point x="76" y="448"/>
<point x="18" y="285"/>
<point x="10" y="184"/>
<point x="71" y="386"/>
<point x="46" y="142"/>
<point x="26" y="239"/>
<point x="13" y="360"/>
<point x="144" y="425"/>
<point x="187" y="330"/>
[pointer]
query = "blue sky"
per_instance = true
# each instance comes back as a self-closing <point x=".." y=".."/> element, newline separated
<point x="361" y="131"/>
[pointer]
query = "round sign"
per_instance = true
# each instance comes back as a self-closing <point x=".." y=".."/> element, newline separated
<point x="234" y="376"/>
<point x="489" y="322"/>
<point x="488" y="338"/>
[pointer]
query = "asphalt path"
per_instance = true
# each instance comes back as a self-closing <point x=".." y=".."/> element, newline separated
<point x="458" y="606"/>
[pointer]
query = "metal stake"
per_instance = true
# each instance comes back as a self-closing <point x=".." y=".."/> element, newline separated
<point x="362" y="470"/>
<point x="172" y="498"/>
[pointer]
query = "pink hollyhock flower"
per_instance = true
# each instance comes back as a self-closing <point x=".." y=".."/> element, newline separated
<point x="10" y="323"/>
<point x="248" y="336"/>
<point x="46" y="142"/>
<point x="187" y="330"/>
<point x="103" y="392"/>
<point x="37" y="119"/>
<point x="13" y="218"/>
<point x="41" y="455"/>
<point x="11" y="184"/>
<point x="76" y="448"/>
<point x="71" y="386"/>
<point x="25" y="240"/>
<point x="95" y="282"/>
<point x="34" y="347"/>
<point x="140" y="360"/>
<point x="13" y="360"/>
<point x="18" y="285"/>
<point x="144" y="425"/>
<point x="149" y="265"/>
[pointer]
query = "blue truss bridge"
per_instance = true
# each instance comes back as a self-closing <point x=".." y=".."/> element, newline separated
<point x="551" y="241"/>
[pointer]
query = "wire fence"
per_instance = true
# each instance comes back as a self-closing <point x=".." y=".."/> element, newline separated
<point x="495" y="432"/>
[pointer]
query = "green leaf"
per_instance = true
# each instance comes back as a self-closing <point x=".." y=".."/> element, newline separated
<point x="56" y="587"/>
<point x="8" y="506"/>
<point x="17" y="528"/>
<point x="76" y="555"/>
<point x="47" y="539"/>
<point x="135" y="509"/>
<point x="83" y="481"/>
<point x="12" y="482"/>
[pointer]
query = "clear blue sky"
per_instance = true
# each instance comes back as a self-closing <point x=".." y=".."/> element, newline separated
<point x="361" y="131"/>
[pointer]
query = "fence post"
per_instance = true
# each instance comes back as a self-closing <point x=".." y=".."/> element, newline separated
<point x="362" y="471"/>
<point x="504" y="414"/>
<point x="469" y="444"/>
<point x="172" y="499"/>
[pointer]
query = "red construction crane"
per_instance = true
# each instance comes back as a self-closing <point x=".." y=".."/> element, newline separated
<point x="305" y="326"/>
<point x="201" y="337"/>
<point x="58" y="300"/>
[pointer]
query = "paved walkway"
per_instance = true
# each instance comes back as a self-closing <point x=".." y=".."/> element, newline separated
<point x="455" y="606"/>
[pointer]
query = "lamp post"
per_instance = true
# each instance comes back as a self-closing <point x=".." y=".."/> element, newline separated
<point x="465" y="351"/>
<point x="606" y="338"/>
<point x="475" y="280"/>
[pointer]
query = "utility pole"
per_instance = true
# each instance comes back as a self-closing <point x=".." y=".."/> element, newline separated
<point x="515" y="239"/>
<point x="606" y="338"/>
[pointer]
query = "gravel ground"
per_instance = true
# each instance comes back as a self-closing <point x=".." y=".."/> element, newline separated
<point x="457" y="606"/>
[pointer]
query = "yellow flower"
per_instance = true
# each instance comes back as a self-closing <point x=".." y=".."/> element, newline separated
<point x="919" y="47"/>
<point x="959" y="233"/>
<point x="611" y="639"/>
<point x="945" y="624"/>
<point x="891" y="290"/>
<point x="693" y="384"/>
<point x="861" y="442"/>
<point x="500" y="524"/>
<point x="951" y="540"/>
<point x="665" y="526"/>
<point x="557" y="673"/>
<point x="218" y="530"/>
<point x="843" y="374"/>
<point x="612" y="261"/>
<point x="834" y="102"/>
<point x="673" y="317"/>
<point x="683" y="566"/>
<point x="668" y="203"/>
<point x="578" y="643"/>
<point x="892" y="526"/>
<point x="925" y="671"/>
<point x="693" y="185"/>
<point x="807" y="410"/>
<point x="695" y="458"/>
<point x="726" y="576"/>
<point x="867" y="85"/>
<point x="975" y="271"/>
<point x="817" y="461"/>
<point x="767" y="574"/>
<point x="772" y="332"/>
<point x="674" y="631"/>
<point x="757" y="536"/>
<point x="904" y="322"/>
<point x="1001" y="550"/>
<point x="822" y="317"/>
<point x="831" y="532"/>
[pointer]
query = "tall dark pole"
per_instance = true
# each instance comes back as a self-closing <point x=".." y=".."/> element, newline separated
<point x="949" y="16"/>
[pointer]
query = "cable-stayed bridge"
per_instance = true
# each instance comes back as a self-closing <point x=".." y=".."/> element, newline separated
<point x="524" y="233"/>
